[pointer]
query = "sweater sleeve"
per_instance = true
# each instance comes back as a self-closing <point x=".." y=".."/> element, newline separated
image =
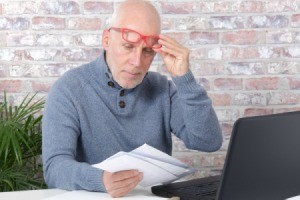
<point x="60" y="135"/>
<point x="193" y="118"/>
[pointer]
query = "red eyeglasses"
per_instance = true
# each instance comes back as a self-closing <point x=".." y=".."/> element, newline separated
<point x="134" y="37"/>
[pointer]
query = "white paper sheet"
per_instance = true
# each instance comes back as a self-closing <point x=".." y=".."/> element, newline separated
<point x="157" y="167"/>
<point x="294" y="198"/>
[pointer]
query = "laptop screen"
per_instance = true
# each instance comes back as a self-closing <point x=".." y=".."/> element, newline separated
<point x="263" y="160"/>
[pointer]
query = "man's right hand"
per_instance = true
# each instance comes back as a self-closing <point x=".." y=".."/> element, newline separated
<point x="120" y="183"/>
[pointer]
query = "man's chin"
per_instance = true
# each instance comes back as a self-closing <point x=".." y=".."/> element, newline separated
<point x="129" y="85"/>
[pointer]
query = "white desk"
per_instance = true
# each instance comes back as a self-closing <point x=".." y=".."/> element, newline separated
<point x="57" y="194"/>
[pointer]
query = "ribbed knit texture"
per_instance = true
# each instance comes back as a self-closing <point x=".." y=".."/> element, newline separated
<point x="84" y="122"/>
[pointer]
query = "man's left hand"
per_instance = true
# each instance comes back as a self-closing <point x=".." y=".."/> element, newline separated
<point x="174" y="55"/>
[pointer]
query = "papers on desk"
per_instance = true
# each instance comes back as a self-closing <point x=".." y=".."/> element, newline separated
<point x="294" y="198"/>
<point x="157" y="167"/>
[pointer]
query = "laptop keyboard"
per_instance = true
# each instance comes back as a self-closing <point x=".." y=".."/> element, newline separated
<point x="197" y="189"/>
<point x="202" y="190"/>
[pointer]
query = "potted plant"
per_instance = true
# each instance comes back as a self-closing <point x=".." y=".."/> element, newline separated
<point x="21" y="145"/>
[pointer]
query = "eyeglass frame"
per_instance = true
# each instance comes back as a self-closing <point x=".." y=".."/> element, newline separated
<point x="142" y="37"/>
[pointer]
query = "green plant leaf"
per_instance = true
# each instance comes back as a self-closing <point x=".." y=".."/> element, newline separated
<point x="20" y="147"/>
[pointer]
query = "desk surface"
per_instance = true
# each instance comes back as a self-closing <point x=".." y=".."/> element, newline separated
<point x="57" y="194"/>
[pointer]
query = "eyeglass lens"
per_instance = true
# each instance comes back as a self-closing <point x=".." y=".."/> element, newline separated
<point x="133" y="36"/>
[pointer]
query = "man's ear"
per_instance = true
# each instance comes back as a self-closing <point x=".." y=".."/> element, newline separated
<point x="105" y="39"/>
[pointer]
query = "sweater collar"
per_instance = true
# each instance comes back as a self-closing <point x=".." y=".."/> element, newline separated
<point x="103" y="75"/>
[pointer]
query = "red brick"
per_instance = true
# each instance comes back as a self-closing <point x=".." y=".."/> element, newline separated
<point x="247" y="68"/>
<point x="228" y="115"/>
<point x="3" y="71"/>
<point x="220" y="99"/>
<point x="45" y="23"/>
<point x="41" y="86"/>
<point x="167" y="23"/>
<point x="20" y="39"/>
<point x="292" y="52"/>
<point x="59" y="7"/>
<point x="207" y="68"/>
<point x="191" y="23"/>
<point x="295" y="21"/>
<point x="265" y="83"/>
<point x="226" y="22"/>
<point x="80" y="23"/>
<point x="19" y="7"/>
<point x="294" y="82"/>
<point x="218" y="161"/>
<point x="10" y="85"/>
<point x="201" y="38"/>
<point x="14" y="23"/>
<point x="16" y="71"/>
<point x="284" y="98"/>
<point x="242" y="37"/>
<point x="281" y="6"/>
<point x="81" y="54"/>
<point x="248" y="99"/>
<point x="181" y="37"/>
<point x="215" y="53"/>
<point x="229" y="53"/>
<point x="33" y="70"/>
<point x="10" y="54"/>
<point x="41" y="54"/>
<point x="198" y="53"/>
<point x="279" y="37"/>
<point x="258" y="111"/>
<point x="243" y="53"/>
<point x="56" y="70"/>
<point x="283" y="67"/>
<point x="176" y="8"/>
<point x="228" y="83"/>
<point x="54" y="40"/>
<point x="265" y="21"/>
<point x="221" y="7"/>
<point x="88" y="40"/>
<point x="92" y="7"/>
<point x="212" y="7"/>
<point x="226" y="129"/>
<point x="248" y="7"/>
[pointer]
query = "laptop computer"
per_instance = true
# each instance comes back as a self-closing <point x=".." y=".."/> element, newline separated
<point x="262" y="163"/>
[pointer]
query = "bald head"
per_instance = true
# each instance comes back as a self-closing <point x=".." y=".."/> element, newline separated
<point x="133" y="13"/>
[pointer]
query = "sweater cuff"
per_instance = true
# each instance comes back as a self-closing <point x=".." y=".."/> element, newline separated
<point x="187" y="82"/>
<point x="94" y="177"/>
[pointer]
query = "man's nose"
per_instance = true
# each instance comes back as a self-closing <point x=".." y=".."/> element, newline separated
<point x="137" y="56"/>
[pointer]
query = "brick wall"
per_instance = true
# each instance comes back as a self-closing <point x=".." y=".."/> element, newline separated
<point x="245" y="53"/>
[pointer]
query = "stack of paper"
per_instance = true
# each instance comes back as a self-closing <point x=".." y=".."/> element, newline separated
<point x="157" y="167"/>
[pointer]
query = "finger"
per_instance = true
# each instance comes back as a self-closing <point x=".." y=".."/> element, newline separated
<point x="125" y="182"/>
<point x="125" y="186"/>
<point x="122" y="191"/>
<point x="173" y="49"/>
<point x="121" y="175"/>
<point x="169" y="40"/>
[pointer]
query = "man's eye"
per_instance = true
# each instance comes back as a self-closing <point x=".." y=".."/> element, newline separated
<point x="148" y="50"/>
<point x="128" y="46"/>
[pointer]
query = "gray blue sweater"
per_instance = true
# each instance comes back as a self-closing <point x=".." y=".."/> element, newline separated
<point x="89" y="117"/>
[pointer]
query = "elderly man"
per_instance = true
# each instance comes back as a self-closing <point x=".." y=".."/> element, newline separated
<point x="114" y="104"/>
